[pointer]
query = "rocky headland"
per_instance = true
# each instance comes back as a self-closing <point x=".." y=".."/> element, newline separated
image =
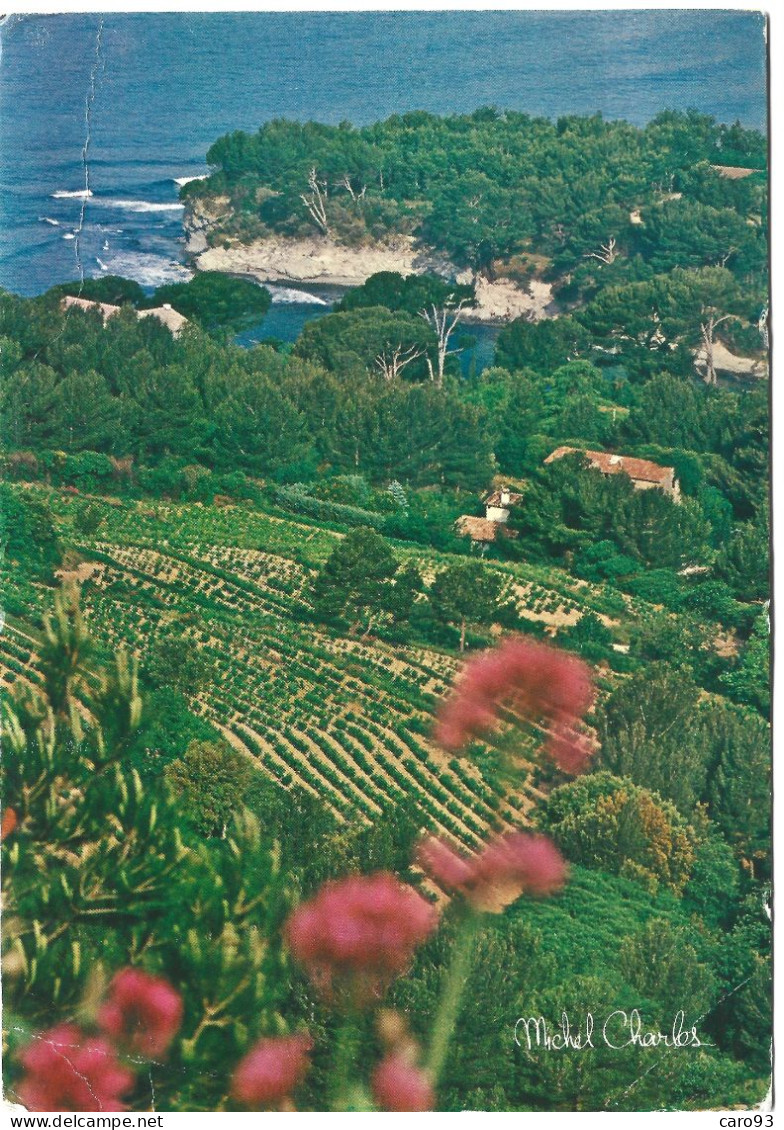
<point x="319" y="260"/>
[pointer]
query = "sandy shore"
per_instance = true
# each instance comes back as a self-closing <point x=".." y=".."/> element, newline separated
<point x="319" y="261"/>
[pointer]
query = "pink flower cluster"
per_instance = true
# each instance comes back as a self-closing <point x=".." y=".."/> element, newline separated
<point x="507" y="867"/>
<point x="537" y="681"/>
<point x="142" y="1014"/>
<point x="398" y="1085"/>
<point x="65" y="1070"/>
<point x="357" y="934"/>
<point x="270" y="1071"/>
<point x="68" y="1070"/>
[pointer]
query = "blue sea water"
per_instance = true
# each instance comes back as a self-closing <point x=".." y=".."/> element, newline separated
<point x="124" y="103"/>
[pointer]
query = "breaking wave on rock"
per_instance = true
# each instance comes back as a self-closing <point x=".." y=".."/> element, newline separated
<point x="145" y="269"/>
<point x="286" y="295"/>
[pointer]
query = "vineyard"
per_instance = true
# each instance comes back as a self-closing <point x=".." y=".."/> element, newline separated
<point x="344" y="718"/>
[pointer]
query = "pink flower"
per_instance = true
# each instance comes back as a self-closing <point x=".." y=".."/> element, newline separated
<point x="538" y="681"/>
<point x="515" y="864"/>
<point x="271" y="1070"/>
<point x="398" y="1085"/>
<point x="506" y="868"/>
<point x="65" y="1070"/>
<point x="358" y="934"/>
<point x="451" y="871"/>
<point x="143" y="1013"/>
<point x="570" y="750"/>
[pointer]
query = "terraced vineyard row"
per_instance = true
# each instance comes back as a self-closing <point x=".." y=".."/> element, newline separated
<point x="230" y="530"/>
<point x="345" y="718"/>
<point x="18" y="656"/>
<point x="331" y="715"/>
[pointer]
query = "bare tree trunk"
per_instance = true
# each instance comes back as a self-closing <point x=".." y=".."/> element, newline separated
<point x="707" y="329"/>
<point x="607" y="253"/>
<point x="762" y="326"/>
<point x="357" y="197"/>
<point x="316" y="202"/>
<point x="444" y="327"/>
<point x="706" y="332"/>
<point x="462" y="634"/>
<point x="391" y="365"/>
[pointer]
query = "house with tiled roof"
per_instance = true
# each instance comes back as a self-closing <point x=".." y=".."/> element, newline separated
<point x="105" y="308"/>
<point x="166" y="314"/>
<point x="498" y="505"/>
<point x="477" y="529"/>
<point x="644" y="474"/>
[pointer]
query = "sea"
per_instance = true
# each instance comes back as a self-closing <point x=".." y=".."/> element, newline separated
<point x="104" y="116"/>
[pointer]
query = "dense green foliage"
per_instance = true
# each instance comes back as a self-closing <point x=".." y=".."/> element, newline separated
<point x="492" y="185"/>
<point x="211" y="784"/>
<point x="112" y="289"/>
<point x="362" y="583"/>
<point x="28" y="540"/>
<point x="411" y="293"/>
<point x="469" y="594"/>
<point x="610" y="823"/>
<point x="371" y="339"/>
<point x="216" y="301"/>
<point x="131" y="389"/>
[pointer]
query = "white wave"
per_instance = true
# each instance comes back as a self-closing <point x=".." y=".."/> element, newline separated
<point x="49" y="220"/>
<point x="187" y="180"/>
<point x="146" y="269"/>
<point x="79" y="194"/>
<point x="288" y="295"/>
<point x="101" y="264"/>
<point x="69" y="235"/>
<point x="138" y="205"/>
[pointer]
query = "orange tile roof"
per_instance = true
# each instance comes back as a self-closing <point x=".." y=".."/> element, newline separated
<point x="478" y="529"/>
<point x="494" y="498"/>
<point x="641" y="470"/>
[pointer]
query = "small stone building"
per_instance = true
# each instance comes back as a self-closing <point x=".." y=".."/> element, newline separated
<point x="498" y="504"/>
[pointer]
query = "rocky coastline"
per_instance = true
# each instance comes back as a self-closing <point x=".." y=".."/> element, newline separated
<point x="319" y="261"/>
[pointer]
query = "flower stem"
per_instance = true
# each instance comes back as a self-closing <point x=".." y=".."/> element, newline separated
<point x="346" y="1047"/>
<point x="451" y="995"/>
